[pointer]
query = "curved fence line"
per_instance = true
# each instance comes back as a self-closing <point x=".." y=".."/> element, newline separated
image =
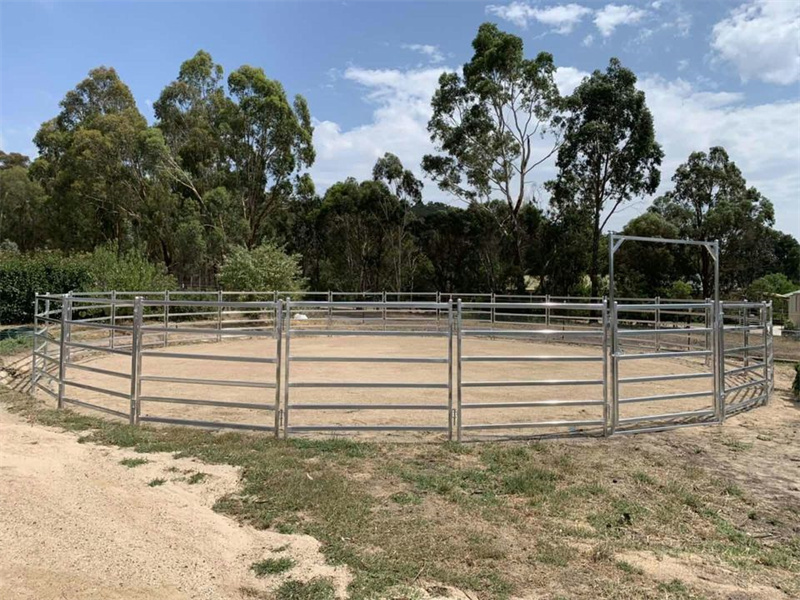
<point x="733" y="340"/>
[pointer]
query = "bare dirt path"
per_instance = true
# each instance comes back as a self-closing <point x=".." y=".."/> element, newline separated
<point x="77" y="524"/>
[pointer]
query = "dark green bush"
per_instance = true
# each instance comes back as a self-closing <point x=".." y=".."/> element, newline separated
<point x="23" y="275"/>
<point x="796" y="384"/>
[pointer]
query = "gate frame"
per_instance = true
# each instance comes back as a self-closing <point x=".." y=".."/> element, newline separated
<point x="615" y="241"/>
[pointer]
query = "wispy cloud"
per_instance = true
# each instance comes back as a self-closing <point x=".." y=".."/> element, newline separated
<point x="561" y="19"/>
<point x="431" y="52"/>
<point x="611" y="16"/>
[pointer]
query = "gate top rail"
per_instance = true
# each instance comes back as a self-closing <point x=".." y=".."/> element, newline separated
<point x="214" y="303"/>
<point x="567" y="306"/>
<point x="362" y="304"/>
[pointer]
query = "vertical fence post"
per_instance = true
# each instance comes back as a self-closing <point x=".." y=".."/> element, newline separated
<point x="614" y="368"/>
<point x="34" y="344"/>
<point x="166" y="316"/>
<point x="136" y="359"/>
<point x="438" y="300"/>
<point x="279" y="337"/>
<point x="383" y="311"/>
<point x="66" y="316"/>
<point x="219" y="315"/>
<point x="771" y="340"/>
<point x="765" y="323"/>
<point x="458" y="415"/>
<point x="745" y="324"/>
<point x="493" y="300"/>
<point x="547" y="310"/>
<point x="450" y="411"/>
<point x="709" y="326"/>
<point x="658" y="323"/>
<point x="287" y="361"/>
<point x="330" y="309"/>
<point x="605" y="366"/>
<point x="718" y="363"/>
<point x="113" y="318"/>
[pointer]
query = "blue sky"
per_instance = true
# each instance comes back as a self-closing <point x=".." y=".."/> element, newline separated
<point x="715" y="72"/>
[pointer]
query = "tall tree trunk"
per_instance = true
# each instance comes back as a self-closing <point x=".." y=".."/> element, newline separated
<point x="594" y="267"/>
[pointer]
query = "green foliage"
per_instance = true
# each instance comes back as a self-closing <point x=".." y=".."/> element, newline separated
<point x="609" y="155"/>
<point x="711" y="201"/>
<point x="130" y="271"/>
<point x="272" y="566"/>
<point x="766" y="287"/>
<point x="796" y="382"/>
<point x="23" y="275"/>
<point x="678" y="289"/>
<point x="265" y="268"/>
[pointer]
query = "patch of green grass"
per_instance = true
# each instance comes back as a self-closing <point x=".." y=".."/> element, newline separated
<point x="16" y="345"/>
<point x="157" y="482"/>
<point x="197" y="478"/>
<point x="737" y="445"/>
<point x="549" y="553"/>
<point x="405" y="498"/>
<point x="628" y="568"/>
<point x="643" y="478"/>
<point x="133" y="462"/>
<point x="272" y="566"/>
<point x="317" y="589"/>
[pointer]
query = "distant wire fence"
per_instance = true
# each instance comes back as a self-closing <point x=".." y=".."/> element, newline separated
<point x="723" y="349"/>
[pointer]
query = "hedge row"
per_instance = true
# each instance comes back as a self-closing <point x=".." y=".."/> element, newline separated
<point x="22" y="276"/>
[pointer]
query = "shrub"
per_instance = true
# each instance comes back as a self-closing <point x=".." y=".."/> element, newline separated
<point x="788" y="325"/>
<point x="129" y="271"/>
<point x="264" y="269"/>
<point x="23" y="275"/>
<point x="796" y="384"/>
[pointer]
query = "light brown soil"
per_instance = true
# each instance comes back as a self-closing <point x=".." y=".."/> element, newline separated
<point x="75" y="523"/>
<point x="363" y="346"/>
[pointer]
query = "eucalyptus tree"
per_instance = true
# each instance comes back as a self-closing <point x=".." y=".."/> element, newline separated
<point x="98" y="162"/>
<point x="493" y="125"/>
<point x="609" y="155"/>
<point x="711" y="200"/>
<point x="21" y="204"/>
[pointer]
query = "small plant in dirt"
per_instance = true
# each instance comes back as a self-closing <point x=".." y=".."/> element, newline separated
<point x="197" y="478"/>
<point x="316" y="589"/>
<point x="133" y="462"/>
<point x="157" y="482"/>
<point x="796" y="384"/>
<point x="272" y="566"/>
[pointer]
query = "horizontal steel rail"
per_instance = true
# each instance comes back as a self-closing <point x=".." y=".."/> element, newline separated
<point x="532" y="404"/>
<point x="673" y="377"/>
<point x="103" y="409"/>
<point x="540" y="358"/>
<point x="205" y="424"/>
<point x="98" y="370"/>
<point x="370" y="359"/>
<point x="531" y="383"/>
<point x="301" y="428"/>
<point x="586" y="423"/>
<point x="745" y="386"/>
<point x="677" y="354"/>
<point x="214" y="357"/>
<point x="222" y="382"/>
<point x="367" y="332"/>
<point x="97" y="348"/>
<point x="524" y="332"/>
<point x="196" y="402"/>
<point x="321" y="406"/>
<point x="363" y="384"/>
<point x="95" y="388"/>
<point x="661" y="397"/>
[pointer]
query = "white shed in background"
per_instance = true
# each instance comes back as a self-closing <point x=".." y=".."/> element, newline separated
<point x="794" y="306"/>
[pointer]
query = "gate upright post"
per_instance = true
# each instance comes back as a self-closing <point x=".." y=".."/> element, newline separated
<point x="279" y="337"/>
<point x="605" y="367"/>
<point x="66" y="316"/>
<point x="765" y="323"/>
<point x="219" y="315"/>
<point x="34" y="345"/>
<point x="136" y="359"/>
<point x="458" y="369"/>
<point x="286" y="362"/>
<point x="614" y="369"/>
<point x="450" y="411"/>
<point x="745" y="323"/>
<point x="113" y="317"/>
<point x="658" y="323"/>
<point x="166" y="316"/>
<point x="719" y="330"/>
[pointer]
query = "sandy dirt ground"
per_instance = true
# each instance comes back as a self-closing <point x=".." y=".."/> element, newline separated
<point x="430" y="405"/>
<point x="76" y="524"/>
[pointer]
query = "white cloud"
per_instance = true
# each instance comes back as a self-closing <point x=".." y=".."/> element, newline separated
<point x="611" y="16"/>
<point x="433" y="53"/>
<point x="764" y="140"/>
<point x="588" y="40"/>
<point x="761" y="39"/>
<point x="561" y="19"/>
<point x="402" y="102"/>
<point x="683" y="64"/>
